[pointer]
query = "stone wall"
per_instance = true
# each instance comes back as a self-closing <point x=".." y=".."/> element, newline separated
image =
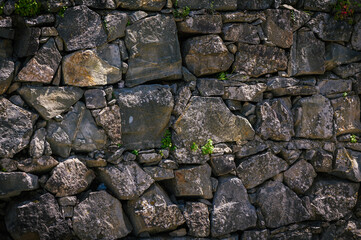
<point x="217" y="119"/>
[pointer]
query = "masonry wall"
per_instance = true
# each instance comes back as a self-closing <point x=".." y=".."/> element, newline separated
<point x="228" y="119"/>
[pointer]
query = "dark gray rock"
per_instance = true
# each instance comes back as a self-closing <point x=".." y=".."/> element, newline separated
<point x="149" y="158"/>
<point x="337" y="54"/>
<point x="55" y="5"/>
<point x="100" y="4"/>
<point x="240" y="32"/>
<point x="254" y="5"/>
<point x="275" y="120"/>
<point x="192" y="182"/>
<point x="307" y="54"/>
<point x="245" y="92"/>
<point x="13" y="183"/>
<point x="16" y="128"/>
<point x="356" y="36"/>
<point x="313" y="118"/>
<point x="345" y="71"/>
<point x="147" y="5"/>
<point x="37" y="143"/>
<point x="206" y="55"/>
<point x="349" y="229"/>
<point x="6" y="74"/>
<point x="181" y="100"/>
<point x="328" y="87"/>
<point x="255" y="235"/>
<point x="197" y="219"/>
<point x="319" y="5"/>
<point x="332" y="199"/>
<point x="347" y="164"/>
<point x="220" y="5"/>
<point x="223" y="164"/>
<point x="347" y="114"/>
<point x="158" y="45"/>
<point x="208" y="87"/>
<point x="95" y="98"/>
<point x="159" y="173"/>
<point x="6" y="48"/>
<point x="109" y="119"/>
<point x="40" y="20"/>
<point x="40" y="165"/>
<point x="141" y="128"/>
<point x="50" y="101"/>
<point x="8" y="164"/>
<point x="69" y="178"/>
<point x="322" y="161"/>
<point x="300" y="176"/>
<point x="126" y="180"/>
<point x="100" y="216"/>
<point x="299" y="18"/>
<point x="115" y="24"/>
<point x="200" y="24"/>
<point x="39" y="218"/>
<point x="250" y="148"/>
<point x="259" y="168"/>
<point x="279" y="205"/>
<point x="232" y="210"/>
<point x="154" y="212"/>
<point x="26" y="41"/>
<point x="209" y="118"/>
<point x="188" y="156"/>
<point x="81" y="28"/>
<point x="242" y="16"/>
<point x="257" y="60"/>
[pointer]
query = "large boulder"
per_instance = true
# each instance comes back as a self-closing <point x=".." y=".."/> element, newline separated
<point x="209" y="118"/>
<point x="13" y="183"/>
<point x="100" y="216"/>
<point x="232" y="210"/>
<point x="6" y="74"/>
<point x="81" y="28"/>
<point x="69" y="178"/>
<point x="39" y="218"/>
<point x="145" y="113"/>
<point x="16" y="128"/>
<point x="50" y="101"/>
<point x="347" y="114"/>
<point x="206" y="55"/>
<point x="154" y="53"/>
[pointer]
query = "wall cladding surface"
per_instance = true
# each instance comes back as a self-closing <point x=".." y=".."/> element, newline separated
<point x="105" y="107"/>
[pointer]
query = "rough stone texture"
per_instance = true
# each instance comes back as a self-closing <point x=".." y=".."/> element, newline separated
<point x="223" y="164"/>
<point x="81" y="28"/>
<point x="37" y="143"/>
<point x="337" y="54"/>
<point x="314" y="118"/>
<point x="349" y="70"/>
<point x="42" y="67"/>
<point x="242" y="16"/>
<point x="254" y="5"/>
<point x="347" y="164"/>
<point x="277" y="27"/>
<point x="146" y="5"/>
<point x="187" y="156"/>
<point x="275" y="120"/>
<point x="245" y="92"/>
<point x="319" y="5"/>
<point x="100" y="216"/>
<point x="322" y="161"/>
<point x="69" y="177"/>
<point x="37" y="165"/>
<point x="50" y="101"/>
<point x="148" y="45"/>
<point x="240" y="32"/>
<point x="201" y="24"/>
<point x="125" y="180"/>
<point x="206" y="55"/>
<point x="95" y="98"/>
<point x="279" y="205"/>
<point x="250" y="148"/>
<point x="109" y="119"/>
<point x="39" y="218"/>
<point x="26" y="41"/>
<point x="307" y="54"/>
<point x="145" y="112"/>
<point x="192" y="182"/>
<point x="220" y="5"/>
<point x="232" y="210"/>
<point x="210" y="87"/>
<point x="356" y="36"/>
<point x="159" y="173"/>
<point x="6" y="74"/>
<point x="328" y="87"/>
<point x="347" y="114"/>
<point x="332" y="199"/>
<point x="13" y="183"/>
<point x="257" y="60"/>
<point x="259" y="168"/>
<point x="197" y="219"/>
<point x="154" y="212"/>
<point x="181" y="100"/>
<point x="16" y="128"/>
<point x="115" y="23"/>
<point x="149" y="158"/>
<point x="211" y="121"/>
<point x="300" y="176"/>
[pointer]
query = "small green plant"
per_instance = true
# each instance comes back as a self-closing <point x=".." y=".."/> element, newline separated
<point x="208" y="147"/>
<point x="167" y="141"/>
<point x="62" y="11"/>
<point x="293" y="16"/>
<point x="344" y="10"/>
<point x="344" y="94"/>
<point x="119" y="145"/>
<point x="3" y="170"/>
<point x="194" y="147"/>
<point x="222" y="76"/>
<point x="353" y="138"/>
<point x="308" y="12"/>
<point x="2" y="8"/>
<point x="161" y="153"/>
<point x="211" y="9"/>
<point x="128" y="23"/>
<point x="27" y="8"/>
<point x="186" y="11"/>
<point x="135" y="152"/>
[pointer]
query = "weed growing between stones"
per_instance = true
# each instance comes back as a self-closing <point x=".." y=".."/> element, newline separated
<point x="344" y="10"/>
<point x="222" y="76"/>
<point x="2" y="8"/>
<point x="194" y="147"/>
<point x="353" y="138"/>
<point x="167" y="141"/>
<point x="208" y="147"/>
<point x="344" y="94"/>
<point x="135" y="152"/>
<point x="27" y="8"/>
<point x="61" y="12"/>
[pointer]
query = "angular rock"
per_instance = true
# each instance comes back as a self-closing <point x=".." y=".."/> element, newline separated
<point x="220" y="5"/>
<point x="16" y="128"/>
<point x="56" y="5"/>
<point x="345" y="71"/>
<point x="254" y="5"/>
<point x="313" y="118"/>
<point x="209" y="118"/>
<point x="356" y="36"/>
<point x="210" y="87"/>
<point x="337" y="54"/>
<point x="197" y="219"/>
<point x="69" y="178"/>
<point x="279" y="205"/>
<point x="109" y="119"/>
<point x="159" y="173"/>
<point x="259" y="168"/>
<point x="257" y="60"/>
<point x="255" y="235"/>
<point x="40" y="20"/>
<point x="328" y="87"/>
<point x="332" y="199"/>
<point x="95" y="98"/>
<point x="240" y="32"/>
<point x="307" y="54"/>
<point x="232" y="210"/>
<point x="242" y="16"/>
<point x="299" y="19"/>
<point x="7" y="68"/>
<point x="13" y="183"/>
<point x="300" y="176"/>
<point x="141" y="128"/>
<point x="149" y="158"/>
<point x="192" y="182"/>
<point x="250" y="148"/>
<point x="81" y="28"/>
<point x="347" y="114"/>
<point x="125" y="180"/>
<point x="37" y="165"/>
<point x="187" y="156"/>
<point x="245" y="92"/>
<point x="322" y="161"/>
<point x="50" y="101"/>
<point x="200" y="24"/>
<point x="277" y="27"/>
<point x="100" y="216"/>
<point x="115" y="23"/>
<point x="275" y="120"/>
<point x="103" y="4"/>
<point x="147" y="5"/>
<point x="8" y="165"/>
<point x="348" y="229"/>
<point x="206" y="55"/>
<point x="26" y="41"/>
<point x="157" y="45"/>
<point x="319" y="5"/>
<point x="6" y="48"/>
<point x="39" y="218"/>
<point x="37" y="143"/>
<point x="223" y="164"/>
<point x="347" y="164"/>
<point x="181" y="100"/>
<point x="154" y="212"/>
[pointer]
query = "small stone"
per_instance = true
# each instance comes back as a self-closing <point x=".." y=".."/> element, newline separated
<point x="109" y="119"/>
<point x="345" y="71"/>
<point x="67" y="201"/>
<point x="149" y="158"/>
<point x="40" y="165"/>
<point x="300" y="176"/>
<point x="92" y="163"/>
<point x="240" y="32"/>
<point x="116" y="157"/>
<point x="178" y="233"/>
<point x="250" y="148"/>
<point x="181" y="100"/>
<point x="347" y="114"/>
<point x="255" y="235"/>
<point x="168" y="164"/>
<point x="200" y="24"/>
<point x="346" y="164"/>
<point x="49" y="32"/>
<point x="245" y="92"/>
<point x="40" y="20"/>
<point x="115" y="24"/>
<point x="37" y="143"/>
<point x="197" y="219"/>
<point x="146" y="5"/>
<point x="329" y="87"/>
<point x="95" y="98"/>
<point x="13" y="183"/>
<point x="356" y="36"/>
<point x="67" y="211"/>
<point x="222" y="165"/>
<point x="318" y="5"/>
<point x="159" y="173"/>
<point x="7" y="68"/>
<point x="8" y="165"/>
<point x="210" y="87"/>
<point x="188" y="156"/>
